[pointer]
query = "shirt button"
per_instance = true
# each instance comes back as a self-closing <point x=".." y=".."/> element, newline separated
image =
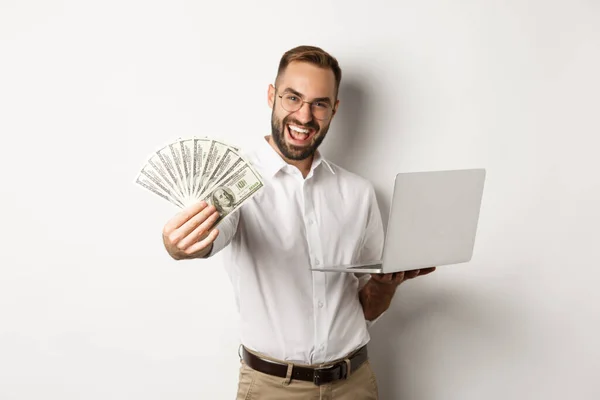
<point x="320" y="304"/>
<point x="310" y="221"/>
<point x="317" y="262"/>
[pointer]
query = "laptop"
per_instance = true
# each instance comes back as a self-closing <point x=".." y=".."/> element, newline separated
<point x="433" y="221"/>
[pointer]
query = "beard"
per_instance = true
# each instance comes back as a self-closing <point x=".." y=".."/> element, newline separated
<point x="290" y="151"/>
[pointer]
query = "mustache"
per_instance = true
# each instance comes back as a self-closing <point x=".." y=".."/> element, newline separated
<point x="312" y="124"/>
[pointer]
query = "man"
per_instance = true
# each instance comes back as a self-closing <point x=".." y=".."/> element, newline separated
<point x="303" y="333"/>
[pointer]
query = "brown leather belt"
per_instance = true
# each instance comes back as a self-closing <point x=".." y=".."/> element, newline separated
<point x="317" y="375"/>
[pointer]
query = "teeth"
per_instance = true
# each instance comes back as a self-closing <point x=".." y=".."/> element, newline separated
<point x="296" y="129"/>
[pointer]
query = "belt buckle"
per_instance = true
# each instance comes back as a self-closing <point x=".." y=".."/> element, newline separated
<point x="341" y="367"/>
<point x="317" y="377"/>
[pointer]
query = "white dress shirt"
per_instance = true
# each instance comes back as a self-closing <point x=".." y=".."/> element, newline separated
<point x="287" y="311"/>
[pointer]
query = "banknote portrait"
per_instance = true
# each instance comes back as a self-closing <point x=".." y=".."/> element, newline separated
<point x="223" y="199"/>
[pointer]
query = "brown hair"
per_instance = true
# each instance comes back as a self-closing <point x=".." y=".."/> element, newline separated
<point x="313" y="55"/>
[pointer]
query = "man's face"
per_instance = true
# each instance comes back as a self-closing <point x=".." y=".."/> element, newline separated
<point x="309" y="82"/>
<point x="222" y="198"/>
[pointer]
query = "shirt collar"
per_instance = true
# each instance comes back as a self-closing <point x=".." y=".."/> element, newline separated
<point x="273" y="163"/>
<point x="320" y="159"/>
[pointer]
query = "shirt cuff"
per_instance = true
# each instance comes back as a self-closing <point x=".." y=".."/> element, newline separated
<point x="371" y="323"/>
<point x="217" y="246"/>
<point x="227" y="229"/>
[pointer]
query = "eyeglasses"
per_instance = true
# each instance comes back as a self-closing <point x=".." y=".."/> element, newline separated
<point x="291" y="103"/>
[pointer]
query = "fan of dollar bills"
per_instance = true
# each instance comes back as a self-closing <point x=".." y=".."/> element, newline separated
<point x="200" y="168"/>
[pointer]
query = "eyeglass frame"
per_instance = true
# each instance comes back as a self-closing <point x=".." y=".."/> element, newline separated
<point x="304" y="101"/>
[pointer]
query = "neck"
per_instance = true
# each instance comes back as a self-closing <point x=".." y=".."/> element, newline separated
<point x="302" y="165"/>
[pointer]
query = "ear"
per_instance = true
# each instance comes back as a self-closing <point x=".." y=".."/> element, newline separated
<point x="335" y="108"/>
<point x="271" y="96"/>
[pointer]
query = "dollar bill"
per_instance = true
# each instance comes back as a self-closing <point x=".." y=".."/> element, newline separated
<point x="177" y="157"/>
<point x="216" y="152"/>
<point x="200" y="168"/>
<point x="201" y="147"/>
<point x="150" y="180"/>
<point x="232" y="169"/>
<point x="164" y="155"/>
<point x="230" y="159"/>
<point x="187" y="149"/>
<point x="156" y="163"/>
<point x="232" y="191"/>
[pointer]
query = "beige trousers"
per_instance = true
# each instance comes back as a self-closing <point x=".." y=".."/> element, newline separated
<point x="255" y="385"/>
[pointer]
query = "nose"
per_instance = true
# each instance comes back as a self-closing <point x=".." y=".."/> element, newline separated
<point x="304" y="114"/>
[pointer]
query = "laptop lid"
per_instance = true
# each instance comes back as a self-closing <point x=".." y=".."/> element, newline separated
<point x="433" y="219"/>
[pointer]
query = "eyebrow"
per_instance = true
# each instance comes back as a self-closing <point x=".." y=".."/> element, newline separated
<point x="290" y="90"/>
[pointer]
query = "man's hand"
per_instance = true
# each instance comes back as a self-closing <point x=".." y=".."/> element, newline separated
<point x="376" y="296"/>
<point x="186" y="234"/>
<point x="398" y="277"/>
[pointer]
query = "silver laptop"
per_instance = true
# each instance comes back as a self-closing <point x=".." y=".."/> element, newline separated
<point x="433" y="221"/>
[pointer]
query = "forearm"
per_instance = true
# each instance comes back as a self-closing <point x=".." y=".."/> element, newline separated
<point x="376" y="297"/>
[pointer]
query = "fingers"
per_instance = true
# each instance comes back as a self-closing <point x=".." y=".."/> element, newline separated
<point x="418" y="272"/>
<point x="396" y="277"/>
<point x="426" y="271"/>
<point x="202" y="244"/>
<point x="194" y="222"/>
<point x="399" y="277"/>
<point x="175" y="236"/>
<point x="183" y="216"/>
<point x="200" y="226"/>
<point x="186" y="233"/>
<point x="411" y="274"/>
<point x="382" y="277"/>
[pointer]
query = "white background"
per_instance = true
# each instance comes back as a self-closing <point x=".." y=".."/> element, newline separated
<point x="91" y="307"/>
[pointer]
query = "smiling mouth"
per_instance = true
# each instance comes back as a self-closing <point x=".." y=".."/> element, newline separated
<point x="298" y="135"/>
